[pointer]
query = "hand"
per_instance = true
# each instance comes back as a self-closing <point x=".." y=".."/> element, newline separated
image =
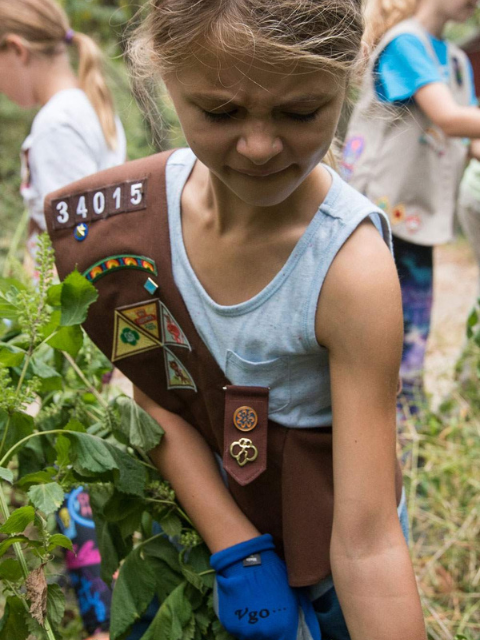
<point x="103" y="635"/>
<point x="474" y="149"/>
<point x="253" y="598"/>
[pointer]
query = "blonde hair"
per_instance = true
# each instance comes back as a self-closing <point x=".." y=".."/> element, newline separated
<point x="323" y="34"/>
<point x="45" y="30"/>
<point x="382" y="15"/>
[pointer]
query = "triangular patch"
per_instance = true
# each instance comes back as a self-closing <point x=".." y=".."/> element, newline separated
<point x="129" y="339"/>
<point x="172" y="333"/>
<point x="177" y="375"/>
<point x="144" y="315"/>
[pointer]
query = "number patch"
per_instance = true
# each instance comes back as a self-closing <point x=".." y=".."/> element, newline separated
<point x="98" y="204"/>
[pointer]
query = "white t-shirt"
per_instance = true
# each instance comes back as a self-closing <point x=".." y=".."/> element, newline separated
<point x="66" y="143"/>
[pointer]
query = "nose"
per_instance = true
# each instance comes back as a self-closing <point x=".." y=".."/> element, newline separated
<point x="259" y="143"/>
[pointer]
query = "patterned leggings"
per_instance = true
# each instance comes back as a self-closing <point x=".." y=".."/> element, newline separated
<point x="415" y="270"/>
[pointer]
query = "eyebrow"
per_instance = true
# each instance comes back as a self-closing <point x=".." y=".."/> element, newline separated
<point x="300" y="99"/>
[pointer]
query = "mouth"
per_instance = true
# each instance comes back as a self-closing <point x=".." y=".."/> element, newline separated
<point x="251" y="173"/>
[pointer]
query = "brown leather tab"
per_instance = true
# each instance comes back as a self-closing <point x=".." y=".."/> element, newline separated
<point x="245" y="432"/>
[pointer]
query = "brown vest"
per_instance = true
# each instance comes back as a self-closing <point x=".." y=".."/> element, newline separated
<point x="150" y="336"/>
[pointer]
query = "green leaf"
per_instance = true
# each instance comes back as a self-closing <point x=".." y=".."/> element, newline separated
<point x="55" y="605"/>
<point x="20" y="425"/>
<point x="6" y="474"/>
<point x="75" y="425"/>
<point x="137" y="425"/>
<point x="172" y="618"/>
<point x="11" y="356"/>
<point x="37" y="477"/>
<point x="46" y="497"/>
<point x="472" y="318"/>
<point x="161" y="548"/>
<point x="14" y="625"/>
<point x="62" y="447"/>
<point x="171" y="524"/>
<point x="69" y="339"/>
<point x="54" y="295"/>
<point x="92" y="456"/>
<point x="219" y="633"/>
<point x="6" y="544"/>
<point x="199" y="559"/>
<point x="76" y="297"/>
<point x="59" y="540"/>
<point x="18" y="520"/>
<point x="134" y="590"/>
<point x="11" y="570"/>
<point x="43" y="370"/>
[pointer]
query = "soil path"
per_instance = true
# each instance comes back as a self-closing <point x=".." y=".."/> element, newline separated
<point x="455" y="290"/>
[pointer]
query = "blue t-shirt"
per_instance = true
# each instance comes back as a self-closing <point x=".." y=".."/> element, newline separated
<point x="405" y="66"/>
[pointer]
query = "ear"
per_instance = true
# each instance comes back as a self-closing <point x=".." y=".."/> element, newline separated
<point x="16" y="45"/>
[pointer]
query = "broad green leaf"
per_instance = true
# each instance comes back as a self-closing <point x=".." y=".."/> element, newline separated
<point x="59" y="540"/>
<point x="134" y="590"/>
<point x="54" y="295"/>
<point x="192" y="577"/>
<point x="69" y="339"/>
<point x="6" y="544"/>
<point x="43" y="370"/>
<point x="14" y="625"/>
<point x="55" y="605"/>
<point x="8" y="311"/>
<point x="171" y="524"/>
<point x="161" y="548"/>
<point x="172" y="618"/>
<point x="6" y="474"/>
<point x="62" y="447"/>
<point x="137" y="425"/>
<point x="51" y="326"/>
<point x="126" y="511"/>
<point x="10" y="356"/>
<point x="76" y="297"/>
<point x="46" y="497"/>
<point x="37" y="477"/>
<point x="11" y="570"/>
<point x="18" y="520"/>
<point x="92" y="456"/>
<point x="20" y="425"/>
<point x="199" y="560"/>
<point x="472" y="318"/>
<point x="75" y="425"/>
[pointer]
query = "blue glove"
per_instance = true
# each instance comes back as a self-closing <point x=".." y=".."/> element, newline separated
<point x="254" y="599"/>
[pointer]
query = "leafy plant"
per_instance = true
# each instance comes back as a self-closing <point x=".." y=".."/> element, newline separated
<point x="62" y="427"/>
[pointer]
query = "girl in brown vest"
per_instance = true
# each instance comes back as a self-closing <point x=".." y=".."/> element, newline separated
<point x="406" y="149"/>
<point x="276" y="328"/>
<point x="258" y="87"/>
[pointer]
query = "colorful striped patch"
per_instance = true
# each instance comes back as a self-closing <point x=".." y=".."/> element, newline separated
<point x="115" y="263"/>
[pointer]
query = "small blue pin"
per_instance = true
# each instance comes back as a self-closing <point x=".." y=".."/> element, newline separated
<point x="150" y="286"/>
<point x="80" y="232"/>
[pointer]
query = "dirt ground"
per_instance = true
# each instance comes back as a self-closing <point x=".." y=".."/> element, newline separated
<point x="456" y="281"/>
<point x="455" y="290"/>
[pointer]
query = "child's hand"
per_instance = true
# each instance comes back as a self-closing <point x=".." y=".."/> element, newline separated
<point x="253" y="597"/>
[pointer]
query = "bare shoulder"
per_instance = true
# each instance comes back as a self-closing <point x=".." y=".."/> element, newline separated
<point x="361" y="292"/>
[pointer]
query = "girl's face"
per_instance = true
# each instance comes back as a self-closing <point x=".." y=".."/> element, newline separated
<point x="260" y="130"/>
<point x="15" y="81"/>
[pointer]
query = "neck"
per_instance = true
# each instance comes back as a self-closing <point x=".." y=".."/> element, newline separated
<point x="51" y="75"/>
<point x="227" y="212"/>
<point x="431" y="19"/>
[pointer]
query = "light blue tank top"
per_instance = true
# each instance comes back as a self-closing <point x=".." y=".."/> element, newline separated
<point x="269" y="340"/>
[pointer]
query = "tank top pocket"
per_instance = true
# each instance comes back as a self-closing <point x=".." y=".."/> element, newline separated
<point x="274" y="374"/>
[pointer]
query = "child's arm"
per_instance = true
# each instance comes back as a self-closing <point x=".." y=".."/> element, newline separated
<point x="185" y="460"/>
<point x="359" y="319"/>
<point x="437" y="102"/>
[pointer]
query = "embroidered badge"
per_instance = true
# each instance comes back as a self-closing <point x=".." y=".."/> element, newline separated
<point x="151" y="286"/>
<point x="413" y="223"/>
<point x="80" y="232"/>
<point x="384" y="204"/>
<point x="115" y="263"/>
<point x="172" y="334"/>
<point x="398" y="214"/>
<point x="245" y="418"/>
<point x="130" y="339"/>
<point x="352" y="151"/>
<point x="144" y="315"/>
<point x="177" y="375"/>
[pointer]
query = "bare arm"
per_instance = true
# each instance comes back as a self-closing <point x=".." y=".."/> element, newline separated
<point x="436" y="101"/>
<point x="359" y="319"/>
<point x="185" y="460"/>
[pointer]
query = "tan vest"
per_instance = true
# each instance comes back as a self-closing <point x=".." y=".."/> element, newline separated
<point x="120" y="241"/>
<point x="400" y="160"/>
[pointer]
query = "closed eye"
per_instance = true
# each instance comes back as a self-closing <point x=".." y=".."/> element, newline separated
<point x="224" y="116"/>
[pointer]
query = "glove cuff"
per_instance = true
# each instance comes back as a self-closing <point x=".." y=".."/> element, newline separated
<point x="225" y="558"/>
